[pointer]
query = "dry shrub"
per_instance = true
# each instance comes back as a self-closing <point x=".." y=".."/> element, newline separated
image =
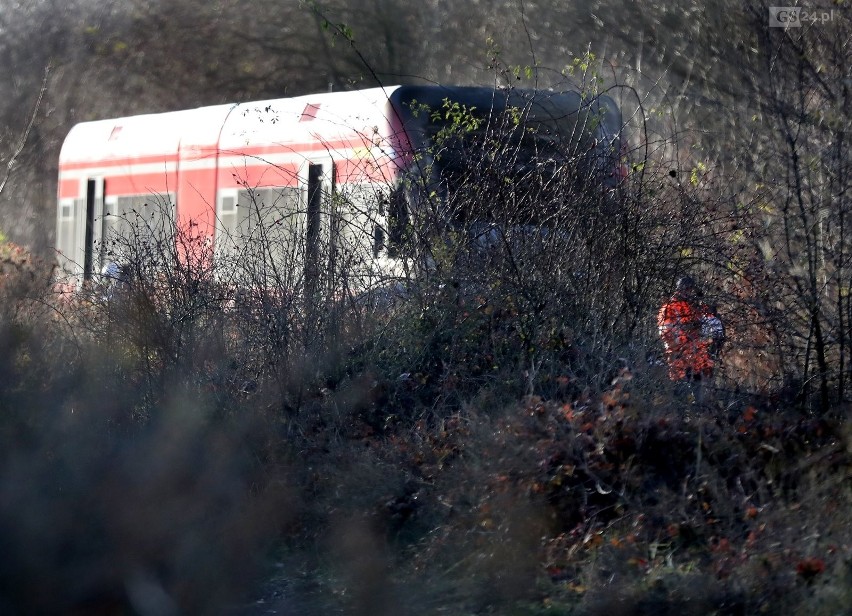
<point x="126" y="485"/>
<point x="607" y="503"/>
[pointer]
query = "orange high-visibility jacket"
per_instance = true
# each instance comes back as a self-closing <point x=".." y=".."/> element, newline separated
<point x="688" y="349"/>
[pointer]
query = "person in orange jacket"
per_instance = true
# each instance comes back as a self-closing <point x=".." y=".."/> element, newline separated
<point x="691" y="332"/>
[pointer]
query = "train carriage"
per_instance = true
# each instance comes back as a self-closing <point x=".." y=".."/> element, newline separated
<point x="298" y="173"/>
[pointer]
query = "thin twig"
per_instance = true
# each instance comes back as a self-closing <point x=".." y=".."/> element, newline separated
<point x="23" y="140"/>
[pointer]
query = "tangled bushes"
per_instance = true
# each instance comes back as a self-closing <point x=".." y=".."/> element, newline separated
<point x="615" y="503"/>
<point x="493" y="434"/>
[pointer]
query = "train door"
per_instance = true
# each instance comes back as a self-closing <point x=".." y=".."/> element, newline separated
<point x="317" y="177"/>
<point x="88" y="212"/>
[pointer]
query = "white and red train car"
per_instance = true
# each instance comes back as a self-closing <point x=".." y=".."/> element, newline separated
<point x="210" y="167"/>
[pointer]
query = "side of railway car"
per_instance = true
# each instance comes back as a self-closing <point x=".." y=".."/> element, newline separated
<point x="234" y="172"/>
<point x="207" y="166"/>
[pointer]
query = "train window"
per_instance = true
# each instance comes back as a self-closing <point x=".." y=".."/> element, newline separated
<point x="378" y="240"/>
<point x="66" y="237"/>
<point x="359" y="219"/>
<point x="266" y="223"/>
<point x="227" y="220"/>
<point x="145" y="216"/>
<point x="264" y="211"/>
<point x="398" y="221"/>
<point x="110" y="227"/>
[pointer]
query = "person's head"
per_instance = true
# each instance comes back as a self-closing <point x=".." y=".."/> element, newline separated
<point x="686" y="287"/>
<point x="110" y="270"/>
<point x="113" y="272"/>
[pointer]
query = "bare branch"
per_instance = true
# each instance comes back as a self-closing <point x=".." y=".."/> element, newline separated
<point x="25" y="135"/>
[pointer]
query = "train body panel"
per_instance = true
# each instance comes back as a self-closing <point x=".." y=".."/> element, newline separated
<point x="200" y="164"/>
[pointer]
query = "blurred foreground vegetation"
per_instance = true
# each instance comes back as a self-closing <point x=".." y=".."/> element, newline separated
<point x="405" y="468"/>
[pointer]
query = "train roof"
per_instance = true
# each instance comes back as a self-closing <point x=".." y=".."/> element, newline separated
<point x="349" y="117"/>
<point x="325" y="116"/>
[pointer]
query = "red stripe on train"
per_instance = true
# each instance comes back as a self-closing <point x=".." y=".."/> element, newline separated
<point x="211" y="152"/>
<point x="201" y="181"/>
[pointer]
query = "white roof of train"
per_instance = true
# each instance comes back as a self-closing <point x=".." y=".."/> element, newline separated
<point x="325" y="117"/>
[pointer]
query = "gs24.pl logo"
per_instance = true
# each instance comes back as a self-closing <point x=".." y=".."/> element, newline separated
<point x="797" y="16"/>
